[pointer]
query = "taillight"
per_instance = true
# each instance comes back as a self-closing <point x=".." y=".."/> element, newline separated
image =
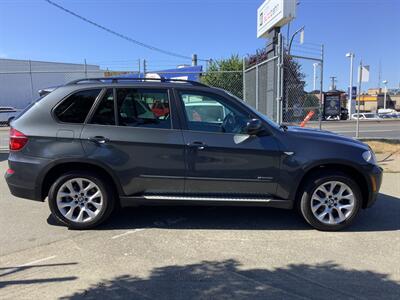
<point x="17" y="140"/>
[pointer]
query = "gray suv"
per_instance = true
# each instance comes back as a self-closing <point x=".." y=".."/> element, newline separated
<point x="95" y="144"/>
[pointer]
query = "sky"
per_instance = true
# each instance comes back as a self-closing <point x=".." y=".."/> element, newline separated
<point x="33" y="29"/>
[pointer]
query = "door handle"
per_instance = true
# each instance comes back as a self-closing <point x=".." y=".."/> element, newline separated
<point x="197" y="144"/>
<point x="99" y="139"/>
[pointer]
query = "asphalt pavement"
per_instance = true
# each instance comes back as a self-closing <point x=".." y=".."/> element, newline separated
<point x="199" y="253"/>
<point x="386" y="129"/>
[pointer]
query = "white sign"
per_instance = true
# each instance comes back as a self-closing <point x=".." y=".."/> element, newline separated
<point x="274" y="13"/>
<point x="364" y="74"/>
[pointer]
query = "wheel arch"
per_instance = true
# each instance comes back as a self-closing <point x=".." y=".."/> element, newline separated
<point x="347" y="169"/>
<point x="54" y="171"/>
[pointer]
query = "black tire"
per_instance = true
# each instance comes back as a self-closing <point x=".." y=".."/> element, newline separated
<point x="105" y="188"/>
<point x="304" y="203"/>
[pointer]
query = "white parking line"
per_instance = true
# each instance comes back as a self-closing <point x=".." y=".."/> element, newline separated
<point x="126" y="233"/>
<point x="12" y="270"/>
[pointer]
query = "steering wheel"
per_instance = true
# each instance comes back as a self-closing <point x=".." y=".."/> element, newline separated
<point x="230" y="124"/>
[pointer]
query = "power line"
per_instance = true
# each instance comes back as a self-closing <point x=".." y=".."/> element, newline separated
<point x="127" y="38"/>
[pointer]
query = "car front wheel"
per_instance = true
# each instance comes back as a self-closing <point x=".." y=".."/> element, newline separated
<point x="81" y="200"/>
<point x="330" y="201"/>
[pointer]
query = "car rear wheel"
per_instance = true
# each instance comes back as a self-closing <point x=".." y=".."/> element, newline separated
<point x="330" y="201"/>
<point x="81" y="200"/>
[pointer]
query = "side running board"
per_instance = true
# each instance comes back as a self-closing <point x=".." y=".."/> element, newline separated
<point x="208" y="200"/>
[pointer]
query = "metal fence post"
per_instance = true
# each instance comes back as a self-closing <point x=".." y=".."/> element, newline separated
<point x="358" y="100"/>
<point x="321" y="87"/>
<point x="85" y="68"/>
<point x="31" y="79"/>
<point x="244" y="79"/>
<point x="257" y="84"/>
<point x="278" y="79"/>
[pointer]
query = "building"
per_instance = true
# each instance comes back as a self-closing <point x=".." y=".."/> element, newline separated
<point x="374" y="100"/>
<point x="20" y="80"/>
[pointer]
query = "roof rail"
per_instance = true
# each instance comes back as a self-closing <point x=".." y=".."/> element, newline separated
<point x="119" y="79"/>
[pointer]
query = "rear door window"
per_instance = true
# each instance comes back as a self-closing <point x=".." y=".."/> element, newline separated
<point x="143" y="108"/>
<point x="76" y="107"/>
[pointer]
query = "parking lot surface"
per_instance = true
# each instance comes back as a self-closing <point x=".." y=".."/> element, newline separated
<point x="199" y="253"/>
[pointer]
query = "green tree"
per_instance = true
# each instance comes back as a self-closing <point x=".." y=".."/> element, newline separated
<point x="226" y="74"/>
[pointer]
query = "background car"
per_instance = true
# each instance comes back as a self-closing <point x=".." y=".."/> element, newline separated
<point x="366" y="116"/>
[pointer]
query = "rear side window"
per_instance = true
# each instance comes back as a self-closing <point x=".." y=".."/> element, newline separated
<point x="76" y="107"/>
<point x="143" y="108"/>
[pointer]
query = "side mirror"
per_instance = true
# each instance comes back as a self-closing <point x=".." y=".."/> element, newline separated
<point x="254" y="126"/>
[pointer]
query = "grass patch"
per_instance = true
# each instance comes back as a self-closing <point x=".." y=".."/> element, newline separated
<point x="384" y="146"/>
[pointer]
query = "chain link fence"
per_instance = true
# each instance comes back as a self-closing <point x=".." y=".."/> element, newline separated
<point x="260" y="85"/>
<point x="302" y="84"/>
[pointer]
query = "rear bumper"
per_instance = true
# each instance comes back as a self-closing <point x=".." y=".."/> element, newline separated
<point x="23" y="192"/>
<point x="23" y="182"/>
<point x="375" y="181"/>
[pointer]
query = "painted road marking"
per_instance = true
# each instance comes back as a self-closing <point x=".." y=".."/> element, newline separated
<point x="126" y="233"/>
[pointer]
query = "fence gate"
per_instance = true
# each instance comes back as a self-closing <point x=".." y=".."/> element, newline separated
<point x="260" y="82"/>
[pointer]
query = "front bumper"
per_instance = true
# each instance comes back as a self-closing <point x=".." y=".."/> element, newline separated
<point x="374" y="179"/>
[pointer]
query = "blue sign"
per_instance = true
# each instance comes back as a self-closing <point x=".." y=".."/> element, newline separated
<point x="354" y="93"/>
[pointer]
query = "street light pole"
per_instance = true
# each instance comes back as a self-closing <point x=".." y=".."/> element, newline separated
<point x="293" y="35"/>
<point x="384" y="97"/>
<point x="349" y="102"/>
<point x="315" y="65"/>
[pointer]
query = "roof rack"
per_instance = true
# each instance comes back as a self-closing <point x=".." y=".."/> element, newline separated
<point x="119" y="79"/>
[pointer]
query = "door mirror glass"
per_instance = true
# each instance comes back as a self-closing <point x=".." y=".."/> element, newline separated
<point x="254" y="126"/>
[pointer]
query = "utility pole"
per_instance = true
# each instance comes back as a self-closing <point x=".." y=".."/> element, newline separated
<point x="194" y="60"/>
<point x="144" y="68"/>
<point x="139" y="68"/>
<point x="333" y="80"/>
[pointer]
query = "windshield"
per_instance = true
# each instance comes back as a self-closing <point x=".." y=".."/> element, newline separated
<point x="262" y="116"/>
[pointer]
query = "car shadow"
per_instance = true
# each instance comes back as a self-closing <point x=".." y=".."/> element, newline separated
<point x="383" y="216"/>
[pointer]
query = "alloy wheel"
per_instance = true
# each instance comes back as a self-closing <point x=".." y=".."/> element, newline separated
<point x="332" y="202"/>
<point x="79" y="200"/>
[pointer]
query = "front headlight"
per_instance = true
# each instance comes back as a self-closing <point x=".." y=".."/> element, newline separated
<point x="369" y="157"/>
